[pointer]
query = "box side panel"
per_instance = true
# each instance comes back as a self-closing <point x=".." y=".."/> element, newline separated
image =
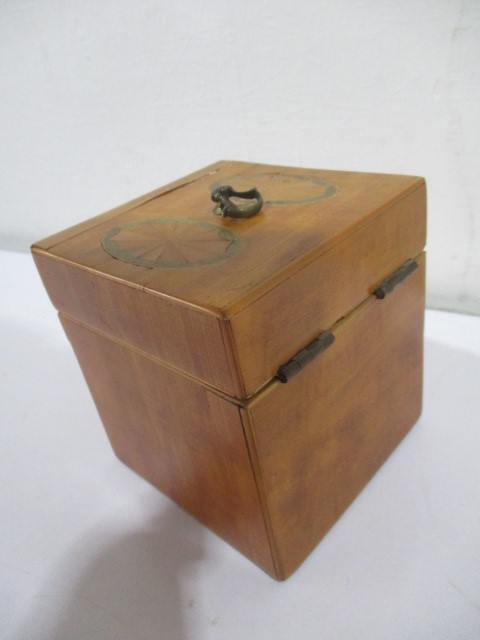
<point x="186" y="338"/>
<point x="273" y="328"/>
<point x="184" y="439"/>
<point x="321" y="437"/>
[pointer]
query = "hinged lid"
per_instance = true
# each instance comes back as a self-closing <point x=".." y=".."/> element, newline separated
<point x="229" y="300"/>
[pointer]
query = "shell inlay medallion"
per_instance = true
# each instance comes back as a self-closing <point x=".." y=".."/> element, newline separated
<point x="284" y="188"/>
<point x="171" y="243"/>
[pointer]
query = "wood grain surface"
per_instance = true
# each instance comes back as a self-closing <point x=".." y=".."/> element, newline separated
<point x="317" y="440"/>
<point x="180" y="319"/>
<point x="245" y="294"/>
<point x="277" y="242"/>
<point x="269" y="331"/>
<point x="182" y="336"/>
<point x="273" y="476"/>
<point x="181" y="437"/>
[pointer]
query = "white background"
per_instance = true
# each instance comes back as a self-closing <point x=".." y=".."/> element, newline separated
<point x="102" y="101"/>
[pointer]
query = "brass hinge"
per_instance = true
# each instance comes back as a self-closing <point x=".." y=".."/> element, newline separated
<point x="304" y="356"/>
<point x="389" y="284"/>
<point x="290" y="369"/>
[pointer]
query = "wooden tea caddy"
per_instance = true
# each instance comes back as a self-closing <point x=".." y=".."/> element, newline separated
<point x="257" y="367"/>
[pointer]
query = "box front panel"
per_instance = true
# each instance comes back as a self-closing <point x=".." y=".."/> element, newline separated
<point x="186" y="338"/>
<point x="319" y="438"/>
<point x="181" y="437"/>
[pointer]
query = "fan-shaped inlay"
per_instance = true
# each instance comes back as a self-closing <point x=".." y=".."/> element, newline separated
<point x="171" y="243"/>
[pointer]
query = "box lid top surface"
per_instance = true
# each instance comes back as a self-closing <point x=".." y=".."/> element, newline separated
<point x="170" y="243"/>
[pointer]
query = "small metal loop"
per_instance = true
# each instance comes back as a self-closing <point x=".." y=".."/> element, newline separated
<point x="226" y="207"/>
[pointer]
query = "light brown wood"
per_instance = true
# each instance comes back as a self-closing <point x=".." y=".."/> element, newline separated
<point x="182" y="336"/>
<point x="51" y="241"/>
<point x="181" y="437"/>
<point x="272" y="477"/>
<point x="277" y="242"/>
<point x="317" y="440"/>
<point x="309" y="302"/>
<point x="291" y="271"/>
<point x="180" y="320"/>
